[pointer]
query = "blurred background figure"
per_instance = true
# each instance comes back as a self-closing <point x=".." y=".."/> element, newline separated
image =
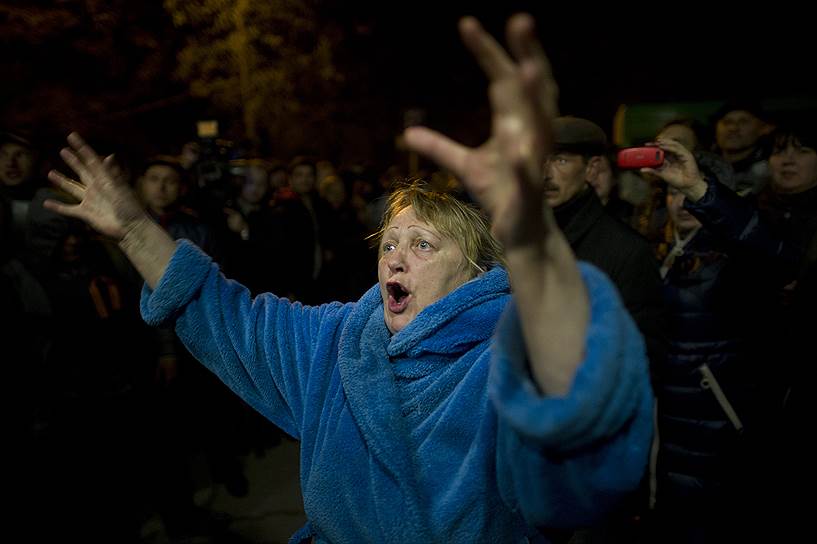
<point x="192" y="414"/>
<point x="252" y="234"/>
<point x="707" y="390"/>
<point x="604" y="182"/>
<point x="90" y="432"/>
<point x="741" y="138"/>
<point x="651" y="215"/>
<point x="18" y="179"/>
<point x="300" y="223"/>
<point x="596" y="236"/>
<point x="733" y="399"/>
<point x="279" y="181"/>
<point x="345" y="274"/>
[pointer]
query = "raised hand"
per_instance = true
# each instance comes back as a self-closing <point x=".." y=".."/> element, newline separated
<point x="680" y="170"/>
<point x="505" y="174"/>
<point x="106" y="201"/>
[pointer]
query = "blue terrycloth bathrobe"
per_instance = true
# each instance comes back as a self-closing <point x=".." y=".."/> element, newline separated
<point x="436" y="433"/>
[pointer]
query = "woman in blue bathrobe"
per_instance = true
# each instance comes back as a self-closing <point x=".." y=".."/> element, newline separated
<point x="458" y="400"/>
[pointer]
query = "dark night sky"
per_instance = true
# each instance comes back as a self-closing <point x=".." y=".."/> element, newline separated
<point x="604" y="57"/>
<point x="601" y="57"/>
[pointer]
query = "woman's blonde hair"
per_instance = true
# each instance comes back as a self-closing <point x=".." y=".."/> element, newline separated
<point x="461" y="222"/>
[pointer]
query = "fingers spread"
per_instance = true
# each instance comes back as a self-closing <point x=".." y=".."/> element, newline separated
<point x="541" y="87"/>
<point x="493" y="59"/>
<point x="542" y="99"/>
<point x="68" y="185"/>
<point x="534" y="64"/>
<point x="672" y="145"/>
<point x="519" y="139"/>
<point x="74" y="162"/>
<point x="85" y="152"/>
<point x="61" y="208"/>
<point x="521" y="39"/>
<point x="440" y="149"/>
<point x="110" y="164"/>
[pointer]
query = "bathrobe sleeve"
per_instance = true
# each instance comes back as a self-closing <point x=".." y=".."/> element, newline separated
<point x="274" y="354"/>
<point x="565" y="461"/>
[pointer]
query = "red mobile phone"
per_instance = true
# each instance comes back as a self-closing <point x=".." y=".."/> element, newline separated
<point x="640" y="157"/>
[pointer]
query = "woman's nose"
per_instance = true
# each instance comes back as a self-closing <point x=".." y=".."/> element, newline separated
<point x="396" y="261"/>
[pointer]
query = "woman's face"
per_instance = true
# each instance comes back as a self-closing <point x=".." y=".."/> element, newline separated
<point x="417" y="267"/>
<point x="333" y="191"/>
<point x="794" y="168"/>
<point x="684" y="221"/>
<point x="682" y="134"/>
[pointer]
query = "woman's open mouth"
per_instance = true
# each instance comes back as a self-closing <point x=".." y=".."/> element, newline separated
<point x="398" y="297"/>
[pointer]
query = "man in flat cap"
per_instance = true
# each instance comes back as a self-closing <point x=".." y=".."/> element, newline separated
<point x="598" y="237"/>
<point x="595" y="235"/>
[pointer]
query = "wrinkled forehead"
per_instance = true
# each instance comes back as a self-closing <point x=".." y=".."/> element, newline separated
<point x="563" y="152"/>
<point x="409" y="216"/>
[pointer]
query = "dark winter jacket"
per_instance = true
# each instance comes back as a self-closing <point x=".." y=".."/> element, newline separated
<point x="622" y="254"/>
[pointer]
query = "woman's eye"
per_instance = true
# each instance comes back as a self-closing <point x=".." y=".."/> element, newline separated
<point x="388" y="246"/>
<point x="422" y="244"/>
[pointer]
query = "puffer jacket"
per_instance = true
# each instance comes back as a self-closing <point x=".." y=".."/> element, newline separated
<point x="709" y="387"/>
<point x="722" y="392"/>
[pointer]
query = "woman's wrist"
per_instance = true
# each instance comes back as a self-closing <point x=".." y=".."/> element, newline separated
<point x="133" y="231"/>
<point x="697" y="190"/>
<point x="149" y="248"/>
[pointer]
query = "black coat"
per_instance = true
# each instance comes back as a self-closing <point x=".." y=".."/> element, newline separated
<point x="625" y="256"/>
<point x="701" y="448"/>
<point x="776" y="235"/>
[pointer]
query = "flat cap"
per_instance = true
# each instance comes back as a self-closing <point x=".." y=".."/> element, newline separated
<point x="577" y="135"/>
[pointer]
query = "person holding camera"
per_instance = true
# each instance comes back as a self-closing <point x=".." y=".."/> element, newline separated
<point x="731" y="408"/>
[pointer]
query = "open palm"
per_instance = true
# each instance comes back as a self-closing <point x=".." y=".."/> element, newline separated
<point x="505" y="173"/>
<point x="105" y="200"/>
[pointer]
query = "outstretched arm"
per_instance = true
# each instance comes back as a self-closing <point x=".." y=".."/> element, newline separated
<point x="263" y="354"/>
<point x="110" y="206"/>
<point x="505" y="175"/>
<point x="569" y="451"/>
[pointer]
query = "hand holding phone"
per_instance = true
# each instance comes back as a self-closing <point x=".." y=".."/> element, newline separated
<point x="640" y="157"/>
